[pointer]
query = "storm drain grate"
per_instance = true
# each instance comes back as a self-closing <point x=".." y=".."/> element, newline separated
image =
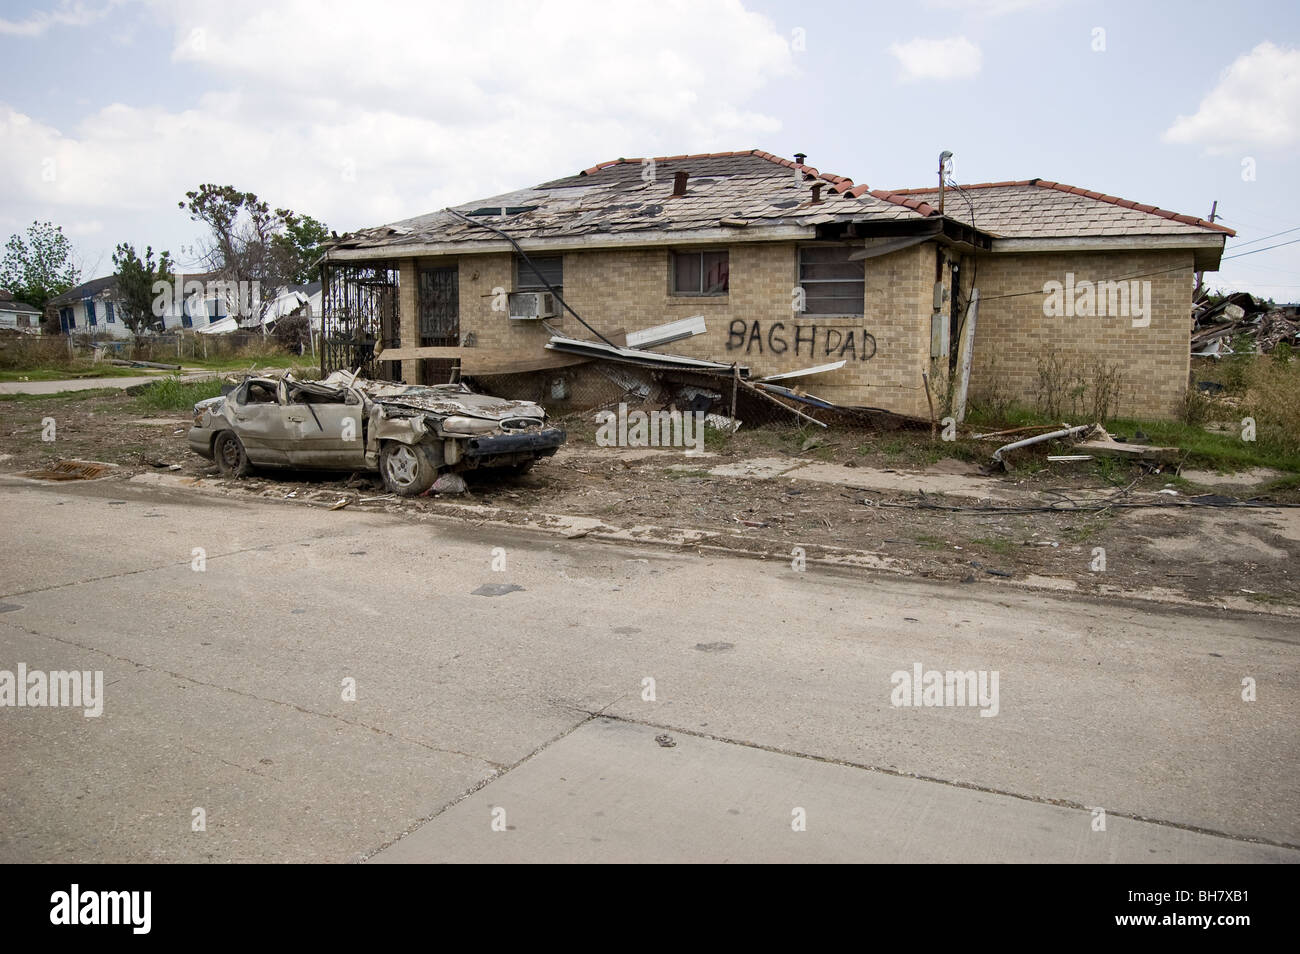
<point x="70" y="470"/>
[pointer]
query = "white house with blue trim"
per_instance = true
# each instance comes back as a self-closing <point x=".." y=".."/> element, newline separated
<point x="95" y="308"/>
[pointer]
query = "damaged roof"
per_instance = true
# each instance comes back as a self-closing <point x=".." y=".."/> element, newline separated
<point x="755" y="195"/>
<point x="1038" y="208"/>
<point x="747" y="193"/>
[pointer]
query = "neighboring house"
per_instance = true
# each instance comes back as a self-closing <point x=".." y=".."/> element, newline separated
<point x="18" y="315"/>
<point x="91" y="308"/>
<point x="95" y="307"/>
<point x="791" y="268"/>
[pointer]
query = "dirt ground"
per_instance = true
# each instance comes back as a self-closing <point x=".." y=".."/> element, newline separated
<point x="863" y="496"/>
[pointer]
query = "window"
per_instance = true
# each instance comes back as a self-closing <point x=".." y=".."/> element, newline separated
<point x="67" y="321"/>
<point x="832" y="285"/>
<point x="89" y="305"/>
<point x="551" y="267"/>
<point x="700" y="273"/>
<point x="108" y="312"/>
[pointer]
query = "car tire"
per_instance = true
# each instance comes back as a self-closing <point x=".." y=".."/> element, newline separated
<point x="407" y="470"/>
<point x="230" y="456"/>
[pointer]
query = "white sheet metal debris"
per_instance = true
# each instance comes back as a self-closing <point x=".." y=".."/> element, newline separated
<point x="666" y="334"/>
<point x="805" y="372"/>
<point x="650" y="359"/>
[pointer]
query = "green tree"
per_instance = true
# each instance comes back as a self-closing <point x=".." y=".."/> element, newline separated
<point x="135" y="281"/>
<point x="40" y="266"/>
<point x="301" y="243"/>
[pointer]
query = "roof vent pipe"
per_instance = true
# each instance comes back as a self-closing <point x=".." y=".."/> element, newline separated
<point x="679" y="182"/>
<point x="799" y="157"/>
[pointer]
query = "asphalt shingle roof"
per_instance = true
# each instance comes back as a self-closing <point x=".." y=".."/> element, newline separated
<point x="1038" y="208"/>
<point x="751" y="190"/>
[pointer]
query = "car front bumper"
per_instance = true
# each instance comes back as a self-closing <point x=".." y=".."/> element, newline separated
<point x="542" y="443"/>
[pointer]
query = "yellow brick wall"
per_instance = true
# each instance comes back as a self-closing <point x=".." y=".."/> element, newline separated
<point x="621" y="290"/>
<point x="1012" y="334"/>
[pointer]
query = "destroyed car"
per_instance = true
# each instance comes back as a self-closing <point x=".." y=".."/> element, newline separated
<point x="408" y="433"/>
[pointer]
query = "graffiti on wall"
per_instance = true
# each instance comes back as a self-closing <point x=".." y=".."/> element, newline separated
<point x="776" y="337"/>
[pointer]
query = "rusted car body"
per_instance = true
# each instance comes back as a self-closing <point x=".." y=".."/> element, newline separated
<point x="408" y="433"/>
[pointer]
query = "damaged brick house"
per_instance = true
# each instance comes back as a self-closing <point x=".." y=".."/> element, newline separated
<point x="789" y="268"/>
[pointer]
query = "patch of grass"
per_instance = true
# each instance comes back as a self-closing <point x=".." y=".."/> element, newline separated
<point x="60" y="396"/>
<point x="173" y="394"/>
<point x="71" y="372"/>
<point x="258" y="362"/>
<point x="1227" y="452"/>
<point x="1290" y="482"/>
<point x="679" y="474"/>
<point x="931" y="542"/>
<point x="717" y="440"/>
<point x="996" y="544"/>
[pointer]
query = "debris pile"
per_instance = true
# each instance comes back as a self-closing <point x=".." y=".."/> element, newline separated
<point x="1238" y="324"/>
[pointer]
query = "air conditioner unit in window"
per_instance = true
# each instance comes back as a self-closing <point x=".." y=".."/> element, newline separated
<point x="533" y="306"/>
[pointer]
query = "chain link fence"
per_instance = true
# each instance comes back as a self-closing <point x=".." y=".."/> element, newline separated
<point x="576" y="393"/>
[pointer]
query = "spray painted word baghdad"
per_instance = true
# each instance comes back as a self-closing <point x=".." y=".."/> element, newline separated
<point x="851" y="344"/>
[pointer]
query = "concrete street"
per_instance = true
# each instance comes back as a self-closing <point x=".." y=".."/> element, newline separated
<point x="524" y="707"/>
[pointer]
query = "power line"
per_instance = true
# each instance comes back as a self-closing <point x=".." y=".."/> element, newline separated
<point x="1256" y="251"/>
<point x="1267" y="237"/>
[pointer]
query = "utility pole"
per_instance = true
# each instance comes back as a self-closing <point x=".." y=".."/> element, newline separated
<point x="1196" y="295"/>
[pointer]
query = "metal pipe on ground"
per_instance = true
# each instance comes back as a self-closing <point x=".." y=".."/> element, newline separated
<point x="1082" y="430"/>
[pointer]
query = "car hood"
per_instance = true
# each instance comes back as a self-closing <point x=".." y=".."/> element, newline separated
<point x="446" y="400"/>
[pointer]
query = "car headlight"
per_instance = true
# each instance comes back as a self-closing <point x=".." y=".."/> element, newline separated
<point x="467" y="425"/>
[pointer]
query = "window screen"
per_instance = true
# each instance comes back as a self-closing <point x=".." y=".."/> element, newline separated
<point x="551" y="267"/>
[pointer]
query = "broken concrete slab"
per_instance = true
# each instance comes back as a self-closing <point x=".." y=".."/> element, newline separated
<point x="867" y="478"/>
<point x="1244" y="478"/>
<point x="758" y="468"/>
<point x="614" y="791"/>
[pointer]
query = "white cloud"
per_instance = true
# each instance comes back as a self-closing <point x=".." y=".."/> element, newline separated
<point x="1256" y="104"/>
<point x="952" y="58"/>
<point x="65" y="14"/>
<point x="360" y="120"/>
<point x="990" y="8"/>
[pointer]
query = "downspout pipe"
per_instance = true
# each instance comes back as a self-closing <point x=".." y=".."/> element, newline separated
<point x="1081" y="431"/>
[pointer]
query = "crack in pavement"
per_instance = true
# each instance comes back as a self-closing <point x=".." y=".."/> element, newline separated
<point x="496" y="766"/>
<point x="953" y="783"/>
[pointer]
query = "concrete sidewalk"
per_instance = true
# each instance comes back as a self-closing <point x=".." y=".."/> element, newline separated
<point x="91" y="384"/>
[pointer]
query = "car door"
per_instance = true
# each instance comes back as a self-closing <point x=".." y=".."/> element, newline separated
<point x="326" y="428"/>
<point x="259" y="420"/>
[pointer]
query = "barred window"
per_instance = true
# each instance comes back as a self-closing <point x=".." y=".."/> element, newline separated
<point x="833" y="285"/>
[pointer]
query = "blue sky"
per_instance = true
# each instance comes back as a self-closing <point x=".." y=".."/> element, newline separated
<point x="110" y="111"/>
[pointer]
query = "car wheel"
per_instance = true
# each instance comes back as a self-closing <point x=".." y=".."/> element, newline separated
<point x="407" y="469"/>
<point x="232" y="459"/>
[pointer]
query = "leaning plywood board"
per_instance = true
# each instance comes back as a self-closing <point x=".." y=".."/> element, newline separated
<point x="489" y="361"/>
<point x="1163" y="455"/>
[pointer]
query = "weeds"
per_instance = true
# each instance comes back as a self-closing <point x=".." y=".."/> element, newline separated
<point x="173" y="394"/>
